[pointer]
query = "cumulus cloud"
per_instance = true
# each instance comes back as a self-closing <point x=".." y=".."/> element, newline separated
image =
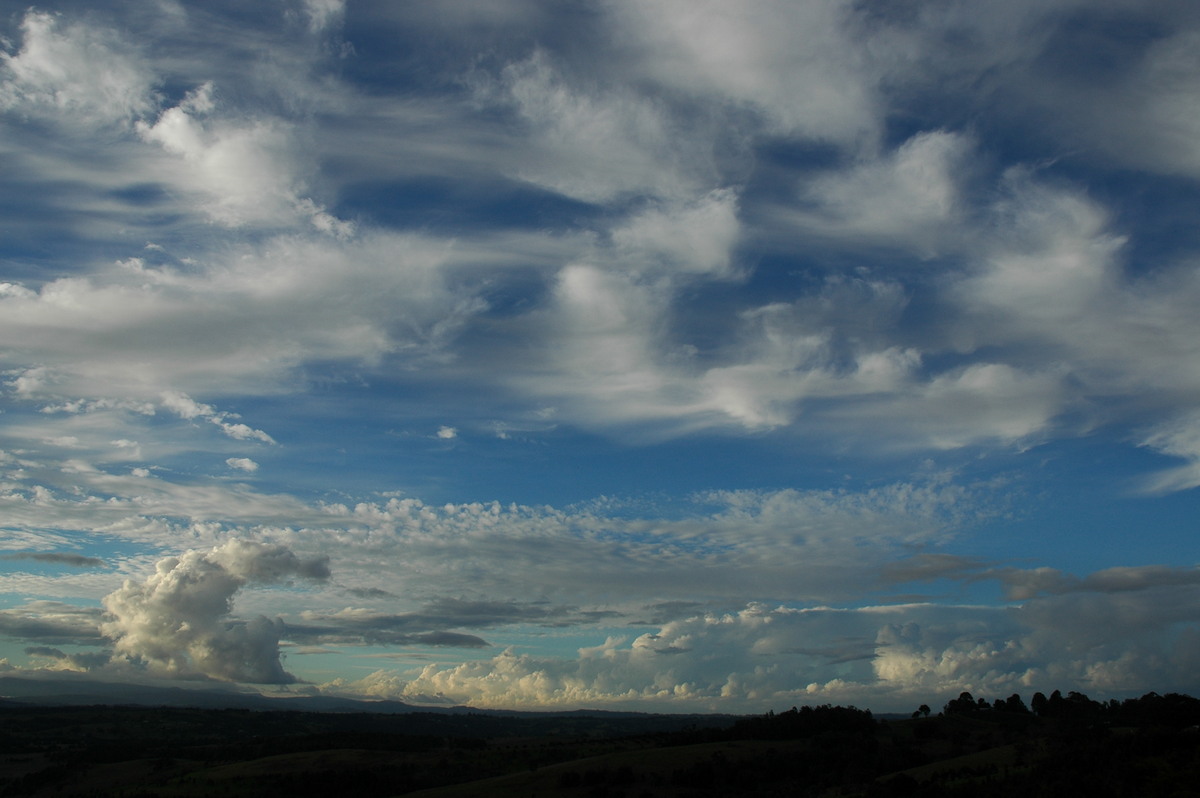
<point x="242" y="464"/>
<point x="177" y="623"/>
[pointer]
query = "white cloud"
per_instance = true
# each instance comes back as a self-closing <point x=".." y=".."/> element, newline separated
<point x="910" y="197"/>
<point x="324" y="14"/>
<point x="242" y="464"/>
<point x="793" y="63"/>
<point x="682" y="239"/>
<point x="245" y="320"/>
<point x="1054" y="289"/>
<point x="447" y="433"/>
<point x="597" y="145"/>
<point x="984" y="403"/>
<point x="244" y="170"/>
<point x="84" y="72"/>
<point x="1179" y="437"/>
<point x="188" y="408"/>
<point x="177" y="623"/>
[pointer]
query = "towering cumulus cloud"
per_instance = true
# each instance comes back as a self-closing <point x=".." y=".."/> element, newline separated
<point x="177" y="622"/>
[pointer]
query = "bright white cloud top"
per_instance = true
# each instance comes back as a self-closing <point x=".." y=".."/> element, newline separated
<point x="671" y="355"/>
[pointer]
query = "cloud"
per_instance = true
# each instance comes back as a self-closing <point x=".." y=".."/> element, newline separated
<point x="324" y="14"/>
<point x="681" y="239"/>
<point x="177" y="623"/>
<point x="353" y="626"/>
<point x="52" y="622"/>
<point x="885" y="656"/>
<point x="1178" y="437"/>
<point x="780" y="545"/>
<point x="242" y="171"/>
<point x="911" y="197"/>
<point x="187" y="408"/>
<point x="433" y="623"/>
<point x="983" y="403"/>
<point x="60" y="558"/>
<point x="84" y="71"/>
<point x="753" y="657"/>
<point x="928" y="566"/>
<point x="595" y="144"/>
<point x="825" y="236"/>
<point x="1132" y="99"/>
<point x="1027" y="583"/>
<point x="792" y="64"/>
<point x="252" y="319"/>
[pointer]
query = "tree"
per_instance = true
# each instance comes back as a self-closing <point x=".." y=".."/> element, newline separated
<point x="964" y="703"/>
<point x="1039" y="702"/>
<point x="924" y="710"/>
<point x="1014" y="704"/>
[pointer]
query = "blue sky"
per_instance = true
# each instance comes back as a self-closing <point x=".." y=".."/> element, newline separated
<point x="679" y="356"/>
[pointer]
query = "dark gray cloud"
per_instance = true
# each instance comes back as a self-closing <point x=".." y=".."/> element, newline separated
<point x="1026" y="583"/>
<point x="44" y="651"/>
<point x="53" y="622"/>
<point x="370" y="592"/>
<point x="59" y="558"/>
<point x="432" y="624"/>
<point x="926" y="566"/>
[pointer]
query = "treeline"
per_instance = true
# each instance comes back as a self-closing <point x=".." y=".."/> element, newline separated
<point x="1173" y="710"/>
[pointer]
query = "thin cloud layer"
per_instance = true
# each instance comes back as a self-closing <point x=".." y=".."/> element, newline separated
<point x="850" y="348"/>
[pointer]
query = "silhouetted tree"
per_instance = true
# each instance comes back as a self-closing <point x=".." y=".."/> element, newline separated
<point x="1014" y="704"/>
<point x="964" y="703"/>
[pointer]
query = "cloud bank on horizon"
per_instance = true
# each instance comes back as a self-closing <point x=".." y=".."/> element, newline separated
<point x="679" y="355"/>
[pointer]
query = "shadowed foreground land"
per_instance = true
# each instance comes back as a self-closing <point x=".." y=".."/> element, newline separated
<point x="1147" y="747"/>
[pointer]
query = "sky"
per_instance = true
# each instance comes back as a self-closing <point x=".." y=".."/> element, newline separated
<point x="670" y="355"/>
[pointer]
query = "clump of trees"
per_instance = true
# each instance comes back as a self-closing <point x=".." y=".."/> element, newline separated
<point x="1172" y="710"/>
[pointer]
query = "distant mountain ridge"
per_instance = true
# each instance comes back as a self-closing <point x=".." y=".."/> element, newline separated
<point x="81" y="692"/>
<point x="15" y="690"/>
